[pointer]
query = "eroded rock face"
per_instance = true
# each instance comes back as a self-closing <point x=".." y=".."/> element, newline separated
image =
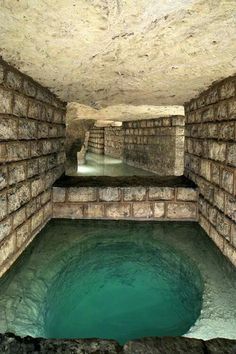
<point x="105" y="52"/>
<point x="11" y="344"/>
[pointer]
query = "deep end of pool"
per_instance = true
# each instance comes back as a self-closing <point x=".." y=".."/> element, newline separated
<point x="119" y="280"/>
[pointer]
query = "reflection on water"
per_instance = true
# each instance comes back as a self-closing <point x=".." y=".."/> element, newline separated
<point x="101" y="165"/>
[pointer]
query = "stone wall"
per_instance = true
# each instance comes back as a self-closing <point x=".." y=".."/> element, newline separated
<point x="32" y="156"/>
<point x="210" y="161"/>
<point x="155" y="145"/>
<point x="153" y="203"/>
<point x="96" y="141"/>
<point x="114" y="142"/>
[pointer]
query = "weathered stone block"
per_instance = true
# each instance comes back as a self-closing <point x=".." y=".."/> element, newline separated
<point x="14" y="80"/>
<point x="82" y="194"/>
<point x="109" y="194"/>
<point x="22" y="234"/>
<point x="219" y="199"/>
<point x="34" y="110"/>
<point x="6" y="98"/>
<point x="142" y="210"/>
<point x="221" y="112"/>
<point x="47" y="211"/>
<point x="1" y="74"/>
<point x="3" y="203"/>
<point x="223" y="225"/>
<point x="18" y="196"/>
<point x="217" y="151"/>
<point x="46" y="196"/>
<point x="59" y="195"/>
<point x="215" y="173"/>
<point x="161" y="193"/>
<point x="228" y="180"/>
<point x="159" y="210"/>
<point x="37" y="186"/>
<point x="230" y="206"/>
<point x="227" y="89"/>
<point x="232" y="109"/>
<point x="48" y="114"/>
<point x="95" y="210"/>
<point x="17" y="151"/>
<point x="5" y="228"/>
<point x="68" y="211"/>
<point x="20" y="105"/>
<point x="3" y="177"/>
<point x="43" y="130"/>
<point x="231" y="154"/>
<point x="32" y="167"/>
<point x="118" y="210"/>
<point x="8" y="128"/>
<point x="19" y="217"/>
<point x="17" y="172"/>
<point x="28" y="129"/>
<point x="205" y="170"/>
<point x="7" y="248"/>
<point x="37" y="220"/>
<point x="187" y="210"/>
<point x="226" y="131"/>
<point x="188" y="194"/>
<point x="134" y="193"/>
<point x="29" y="88"/>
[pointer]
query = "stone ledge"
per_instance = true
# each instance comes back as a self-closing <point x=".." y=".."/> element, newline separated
<point x="11" y="344"/>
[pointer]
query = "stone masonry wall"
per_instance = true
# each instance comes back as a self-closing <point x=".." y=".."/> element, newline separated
<point x="210" y="161"/>
<point x="155" y="145"/>
<point x="96" y="141"/>
<point x="153" y="203"/>
<point x="32" y="133"/>
<point x="114" y="142"/>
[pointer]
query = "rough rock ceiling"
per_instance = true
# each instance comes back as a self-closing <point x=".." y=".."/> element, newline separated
<point x="109" y="52"/>
<point x="121" y="112"/>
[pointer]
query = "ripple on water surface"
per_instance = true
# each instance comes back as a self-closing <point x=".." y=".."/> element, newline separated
<point x="120" y="280"/>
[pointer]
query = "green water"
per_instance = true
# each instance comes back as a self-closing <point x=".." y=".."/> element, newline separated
<point x="119" y="280"/>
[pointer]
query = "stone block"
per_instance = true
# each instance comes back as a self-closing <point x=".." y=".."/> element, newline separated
<point x="17" y="172"/>
<point x="204" y="224"/>
<point x="227" y="131"/>
<point x="95" y="210"/>
<point x="37" y="219"/>
<point x="159" y="210"/>
<point x="134" y="193"/>
<point x="231" y="154"/>
<point x="8" y="128"/>
<point x="181" y="210"/>
<point x="29" y="88"/>
<point x="28" y="129"/>
<point x="5" y="228"/>
<point x="34" y="110"/>
<point x="17" y="151"/>
<point x="20" y="105"/>
<point x="82" y="194"/>
<point x="43" y="130"/>
<point x="227" y="90"/>
<point x="68" y="211"/>
<point x="223" y="225"/>
<point x="188" y="194"/>
<point x="6" y="99"/>
<point x="3" y="203"/>
<point x="23" y="234"/>
<point x="48" y="211"/>
<point x="217" y="151"/>
<point x="59" y="195"/>
<point x="219" y="199"/>
<point x="19" y="217"/>
<point x="205" y="170"/>
<point x="142" y="210"/>
<point x="117" y="210"/>
<point x="44" y="95"/>
<point x="49" y="114"/>
<point x="215" y="173"/>
<point x="14" y="80"/>
<point x="46" y="196"/>
<point x="228" y="180"/>
<point x="37" y="186"/>
<point x="1" y="74"/>
<point x="109" y="194"/>
<point x="7" y="248"/>
<point x="161" y="193"/>
<point x="32" y="167"/>
<point x="230" y="206"/>
<point x="18" y="196"/>
<point x="232" y="109"/>
<point x="221" y="112"/>
<point x="3" y="177"/>
<point x="208" y="114"/>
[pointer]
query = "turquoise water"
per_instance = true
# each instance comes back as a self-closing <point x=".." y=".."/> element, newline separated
<point x="119" y="280"/>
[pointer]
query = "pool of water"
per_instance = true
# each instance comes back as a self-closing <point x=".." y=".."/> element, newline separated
<point x="120" y="280"/>
<point x="102" y="165"/>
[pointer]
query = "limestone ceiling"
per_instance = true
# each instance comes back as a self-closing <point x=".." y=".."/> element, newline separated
<point x="111" y="52"/>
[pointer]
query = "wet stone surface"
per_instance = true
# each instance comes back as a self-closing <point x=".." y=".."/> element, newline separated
<point x="11" y="344"/>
